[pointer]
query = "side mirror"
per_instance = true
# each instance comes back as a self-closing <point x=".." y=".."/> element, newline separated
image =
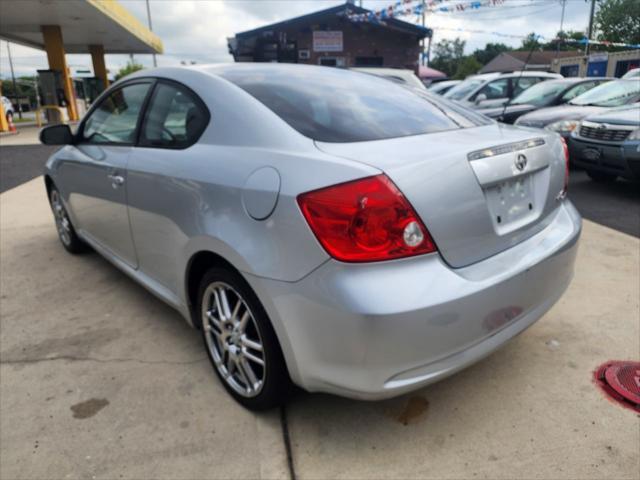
<point x="56" y="135"/>
<point x="480" y="98"/>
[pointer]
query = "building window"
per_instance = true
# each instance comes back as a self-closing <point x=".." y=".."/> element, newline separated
<point x="570" y="70"/>
<point x="331" y="61"/>
<point x="623" y="66"/>
<point x="369" y="61"/>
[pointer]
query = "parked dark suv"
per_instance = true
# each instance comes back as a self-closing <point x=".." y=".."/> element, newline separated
<point x="607" y="145"/>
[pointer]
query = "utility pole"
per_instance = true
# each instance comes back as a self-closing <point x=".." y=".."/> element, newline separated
<point x="564" y="4"/>
<point x="424" y="15"/>
<point x="15" y="87"/>
<point x="590" y="32"/>
<point x="155" y="63"/>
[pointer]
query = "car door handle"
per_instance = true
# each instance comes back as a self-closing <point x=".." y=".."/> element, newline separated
<point x="116" y="180"/>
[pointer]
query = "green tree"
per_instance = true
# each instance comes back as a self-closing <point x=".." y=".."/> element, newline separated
<point x="531" y="42"/>
<point x="467" y="66"/>
<point x="447" y="55"/>
<point x="25" y="87"/>
<point x="129" y="68"/>
<point x="566" y="46"/>
<point x="618" y="21"/>
<point x="489" y="52"/>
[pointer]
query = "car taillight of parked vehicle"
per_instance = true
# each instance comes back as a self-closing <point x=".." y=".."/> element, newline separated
<point x="365" y="220"/>
<point x="565" y="148"/>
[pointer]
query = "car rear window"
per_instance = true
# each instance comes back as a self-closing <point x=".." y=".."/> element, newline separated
<point x="333" y="105"/>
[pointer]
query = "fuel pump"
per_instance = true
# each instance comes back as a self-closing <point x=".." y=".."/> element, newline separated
<point x="52" y="94"/>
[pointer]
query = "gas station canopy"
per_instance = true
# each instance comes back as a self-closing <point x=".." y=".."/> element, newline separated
<point x="82" y="23"/>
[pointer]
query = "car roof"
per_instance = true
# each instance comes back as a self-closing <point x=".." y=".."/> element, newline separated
<point x="525" y="73"/>
<point x="572" y="80"/>
<point x="387" y="70"/>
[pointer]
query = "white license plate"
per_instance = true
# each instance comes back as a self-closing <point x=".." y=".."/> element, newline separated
<point x="511" y="200"/>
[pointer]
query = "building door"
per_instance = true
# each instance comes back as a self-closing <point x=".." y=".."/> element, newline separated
<point x="597" y="69"/>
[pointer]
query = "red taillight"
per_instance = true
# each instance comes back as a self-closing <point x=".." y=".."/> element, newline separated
<point x="365" y="220"/>
<point x="565" y="148"/>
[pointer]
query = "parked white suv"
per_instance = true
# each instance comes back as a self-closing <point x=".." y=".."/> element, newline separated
<point x="495" y="89"/>
<point x="7" y="106"/>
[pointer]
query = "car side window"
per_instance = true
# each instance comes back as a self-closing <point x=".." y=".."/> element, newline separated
<point x="175" y="118"/>
<point x="115" y="119"/>
<point x="520" y="85"/>
<point x="496" y="89"/>
<point x="578" y="90"/>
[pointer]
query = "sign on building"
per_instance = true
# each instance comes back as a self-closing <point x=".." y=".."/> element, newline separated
<point x="327" y="41"/>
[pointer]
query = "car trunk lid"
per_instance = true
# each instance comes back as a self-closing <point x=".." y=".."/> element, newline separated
<point x="479" y="190"/>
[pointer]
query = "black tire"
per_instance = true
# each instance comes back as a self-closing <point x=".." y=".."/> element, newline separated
<point x="601" y="177"/>
<point x="66" y="233"/>
<point x="276" y="385"/>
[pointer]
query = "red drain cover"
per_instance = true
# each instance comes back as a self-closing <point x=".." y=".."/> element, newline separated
<point x="621" y="381"/>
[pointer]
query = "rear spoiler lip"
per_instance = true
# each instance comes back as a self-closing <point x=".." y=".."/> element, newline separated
<point x="505" y="148"/>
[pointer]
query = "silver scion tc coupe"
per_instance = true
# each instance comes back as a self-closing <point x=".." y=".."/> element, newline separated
<point x="319" y="226"/>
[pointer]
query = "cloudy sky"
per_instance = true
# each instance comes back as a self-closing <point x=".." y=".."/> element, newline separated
<point x="197" y="30"/>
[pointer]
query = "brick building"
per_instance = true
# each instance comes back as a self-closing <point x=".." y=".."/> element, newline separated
<point x="329" y="37"/>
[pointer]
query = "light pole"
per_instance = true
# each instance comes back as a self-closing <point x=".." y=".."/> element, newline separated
<point x="588" y="46"/>
<point x="155" y="63"/>
<point x="13" y="80"/>
<point x="422" y="57"/>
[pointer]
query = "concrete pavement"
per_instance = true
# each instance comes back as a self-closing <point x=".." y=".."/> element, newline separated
<point x="100" y="379"/>
<point x="26" y="135"/>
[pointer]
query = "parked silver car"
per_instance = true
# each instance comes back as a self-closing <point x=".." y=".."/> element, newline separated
<point x="489" y="90"/>
<point x="318" y="225"/>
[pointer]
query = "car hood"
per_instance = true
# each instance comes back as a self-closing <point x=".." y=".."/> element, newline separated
<point x="497" y="111"/>
<point x="618" y="116"/>
<point x="546" y="116"/>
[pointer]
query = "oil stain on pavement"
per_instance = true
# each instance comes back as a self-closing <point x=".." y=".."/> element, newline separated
<point x="414" y="409"/>
<point x="88" y="408"/>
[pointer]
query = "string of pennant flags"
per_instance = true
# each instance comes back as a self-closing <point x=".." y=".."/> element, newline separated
<point x="582" y="41"/>
<point x="409" y="7"/>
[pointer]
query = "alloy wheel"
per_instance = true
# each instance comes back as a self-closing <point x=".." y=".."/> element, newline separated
<point x="233" y="339"/>
<point x="63" y="224"/>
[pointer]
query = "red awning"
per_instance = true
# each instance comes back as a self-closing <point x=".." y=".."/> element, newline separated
<point x="427" y="73"/>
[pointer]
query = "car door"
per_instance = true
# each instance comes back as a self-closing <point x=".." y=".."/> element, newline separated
<point x="493" y="94"/>
<point x="162" y="184"/>
<point x="94" y="170"/>
<point x="520" y="84"/>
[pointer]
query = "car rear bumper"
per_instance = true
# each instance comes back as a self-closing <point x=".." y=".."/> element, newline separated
<point x="374" y="331"/>
<point x="623" y="160"/>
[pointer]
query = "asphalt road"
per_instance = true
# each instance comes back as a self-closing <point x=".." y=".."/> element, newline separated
<point x="21" y="163"/>
<point x="615" y="205"/>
